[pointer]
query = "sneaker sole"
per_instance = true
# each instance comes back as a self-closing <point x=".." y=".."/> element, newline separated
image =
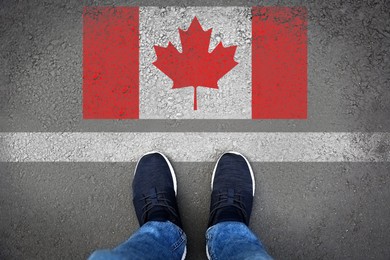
<point x="169" y="165"/>
<point x="184" y="254"/>
<point x="247" y="162"/>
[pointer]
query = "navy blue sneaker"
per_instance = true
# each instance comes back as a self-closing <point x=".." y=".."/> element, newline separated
<point x="233" y="188"/>
<point x="155" y="190"/>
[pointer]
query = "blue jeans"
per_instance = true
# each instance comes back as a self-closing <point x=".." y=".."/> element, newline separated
<point x="165" y="240"/>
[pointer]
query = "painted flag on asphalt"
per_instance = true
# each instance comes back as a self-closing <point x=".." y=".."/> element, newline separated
<point x="194" y="63"/>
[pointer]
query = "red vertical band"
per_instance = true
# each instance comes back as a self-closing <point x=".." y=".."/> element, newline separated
<point x="110" y="62"/>
<point x="279" y="63"/>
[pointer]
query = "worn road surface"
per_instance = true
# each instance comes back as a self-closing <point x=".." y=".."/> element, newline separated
<point x="323" y="184"/>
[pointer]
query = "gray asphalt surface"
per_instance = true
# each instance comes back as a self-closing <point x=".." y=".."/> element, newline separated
<point x="302" y="210"/>
<point x="41" y="69"/>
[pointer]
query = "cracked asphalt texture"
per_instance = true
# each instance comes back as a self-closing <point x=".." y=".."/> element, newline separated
<point x="302" y="210"/>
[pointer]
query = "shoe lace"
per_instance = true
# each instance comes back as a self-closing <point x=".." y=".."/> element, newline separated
<point x="156" y="199"/>
<point x="229" y="199"/>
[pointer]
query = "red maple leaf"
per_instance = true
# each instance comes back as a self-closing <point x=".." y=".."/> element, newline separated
<point x="195" y="66"/>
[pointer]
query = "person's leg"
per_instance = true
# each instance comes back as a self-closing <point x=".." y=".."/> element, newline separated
<point x="233" y="188"/>
<point x="154" y="240"/>
<point x="233" y="240"/>
<point x="154" y="197"/>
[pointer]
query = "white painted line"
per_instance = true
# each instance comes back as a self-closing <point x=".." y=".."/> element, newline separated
<point x="194" y="147"/>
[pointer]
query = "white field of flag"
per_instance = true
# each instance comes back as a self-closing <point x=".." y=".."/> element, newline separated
<point x="232" y="100"/>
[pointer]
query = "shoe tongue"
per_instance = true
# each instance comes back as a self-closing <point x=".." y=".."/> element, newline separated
<point x="230" y="212"/>
<point x="157" y="213"/>
<point x="153" y="196"/>
<point x="230" y="195"/>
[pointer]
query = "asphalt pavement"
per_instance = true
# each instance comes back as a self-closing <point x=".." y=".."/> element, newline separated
<point x="304" y="209"/>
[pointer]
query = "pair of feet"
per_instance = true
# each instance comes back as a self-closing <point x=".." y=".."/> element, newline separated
<point x="155" y="190"/>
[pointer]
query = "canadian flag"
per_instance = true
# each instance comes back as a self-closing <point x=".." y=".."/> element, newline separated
<point x="195" y="62"/>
